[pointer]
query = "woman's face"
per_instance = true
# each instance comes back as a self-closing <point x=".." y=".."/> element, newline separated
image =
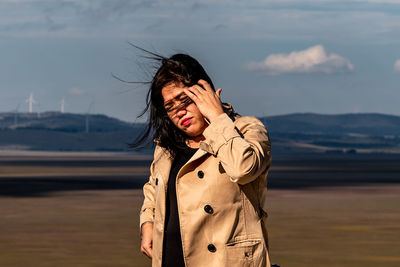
<point x="182" y="111"/>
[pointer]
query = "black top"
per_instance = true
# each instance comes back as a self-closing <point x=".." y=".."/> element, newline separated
<point x="172" y="245"/>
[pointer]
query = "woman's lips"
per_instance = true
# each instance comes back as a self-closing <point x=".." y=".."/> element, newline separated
<point x="186" y="121"/>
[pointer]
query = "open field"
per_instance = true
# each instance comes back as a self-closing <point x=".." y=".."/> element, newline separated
<point x="336" y="226"/>
<point x="83" y="211"/>
<point x="340" y="226"/>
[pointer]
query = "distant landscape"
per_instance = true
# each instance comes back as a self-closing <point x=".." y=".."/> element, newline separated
<point x="71" y="195"/>
<point x="292" y="134"/>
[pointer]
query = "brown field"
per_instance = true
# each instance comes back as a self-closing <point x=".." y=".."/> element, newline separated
<point x="335" y="226"/>
<point x="312" y="226"/>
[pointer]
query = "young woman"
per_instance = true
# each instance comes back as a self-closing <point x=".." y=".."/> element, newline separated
<point x="203" y="200"/>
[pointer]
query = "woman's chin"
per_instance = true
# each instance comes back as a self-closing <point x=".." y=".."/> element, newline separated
<point x="192" y="131"/>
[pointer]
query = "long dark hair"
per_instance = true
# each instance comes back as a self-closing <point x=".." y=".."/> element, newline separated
<point x="179" y="69"/>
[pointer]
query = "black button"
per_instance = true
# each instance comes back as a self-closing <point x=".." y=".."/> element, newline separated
<point x="211" y="248"/>
<point x="208" y="209"/>
<point x="200" y="174"/>
<point x="156" y="181"/>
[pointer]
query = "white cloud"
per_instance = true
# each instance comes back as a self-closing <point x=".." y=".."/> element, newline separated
<point x="397" y="66"/>
<point x="313" y="59"/>
<point x="76" y="91"/>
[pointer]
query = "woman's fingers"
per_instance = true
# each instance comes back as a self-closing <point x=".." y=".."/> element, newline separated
<point x="207" y="101"/>
<point x="219" y="91"/>
<point x="190" y="94"/>
<point x="202" y="88"/>
<point x="146" y="245"/>
<point x="148" y="253"/>
<point x="205" y="85"/>
<point x="147" y="250"/>
<point x="197" y="90"/>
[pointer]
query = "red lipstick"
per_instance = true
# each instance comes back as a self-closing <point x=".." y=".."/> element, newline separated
<point x="186" y="121"/>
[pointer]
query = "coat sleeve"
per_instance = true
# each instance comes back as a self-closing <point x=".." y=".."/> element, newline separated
<point x="244" y="149"/>
<point x="148" y="207"/>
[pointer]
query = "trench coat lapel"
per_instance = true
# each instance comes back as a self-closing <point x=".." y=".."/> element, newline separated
<point x="199" y="153"/>
<point x="165" y="163"/>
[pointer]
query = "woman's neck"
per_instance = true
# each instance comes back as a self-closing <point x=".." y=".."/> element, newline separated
<point x="194" y="142"/>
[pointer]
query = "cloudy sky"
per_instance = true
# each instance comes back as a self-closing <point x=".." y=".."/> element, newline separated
<point x="269" y="57"/>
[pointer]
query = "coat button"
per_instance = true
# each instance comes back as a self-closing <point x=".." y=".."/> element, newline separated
<point x="156" y="181"/>
<point x="200" y="174"/>
<point x="208" y="209"/>
<point x="211" y="248"/>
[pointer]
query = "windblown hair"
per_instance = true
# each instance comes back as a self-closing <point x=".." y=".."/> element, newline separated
<point x="177" y="69"/>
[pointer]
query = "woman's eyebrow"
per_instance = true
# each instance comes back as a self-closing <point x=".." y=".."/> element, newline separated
<point x="176" y="97"/>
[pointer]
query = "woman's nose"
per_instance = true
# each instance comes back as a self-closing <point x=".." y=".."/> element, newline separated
<point x="181" y="112"/>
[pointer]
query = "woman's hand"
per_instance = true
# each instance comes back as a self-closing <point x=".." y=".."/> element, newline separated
<point x="207" y="101"/>
<point x="147" y="239"/>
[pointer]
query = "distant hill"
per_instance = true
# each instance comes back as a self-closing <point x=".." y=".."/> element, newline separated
<point x="298" y="133"/>
<point x="63" y="122"/>
<point x="311" y="123"/>
<point x="66" y="132"/>
<point x="334" y="134"/>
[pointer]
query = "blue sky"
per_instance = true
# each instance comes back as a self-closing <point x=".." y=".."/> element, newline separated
<point x="269" y="57"/>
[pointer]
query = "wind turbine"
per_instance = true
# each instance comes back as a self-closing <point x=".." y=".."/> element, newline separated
<point x="31" y="101"/>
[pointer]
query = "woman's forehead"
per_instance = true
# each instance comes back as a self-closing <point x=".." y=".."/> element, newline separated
<point x="172" y="91"/>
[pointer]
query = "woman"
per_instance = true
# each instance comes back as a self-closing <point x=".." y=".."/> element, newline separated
<point x="203" y="201"/>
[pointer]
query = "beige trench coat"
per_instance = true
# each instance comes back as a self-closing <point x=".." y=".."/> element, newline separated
<point x="220" y="192"/>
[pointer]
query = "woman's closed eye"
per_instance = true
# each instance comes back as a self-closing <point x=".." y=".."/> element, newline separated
<point x="184" y="101"/>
